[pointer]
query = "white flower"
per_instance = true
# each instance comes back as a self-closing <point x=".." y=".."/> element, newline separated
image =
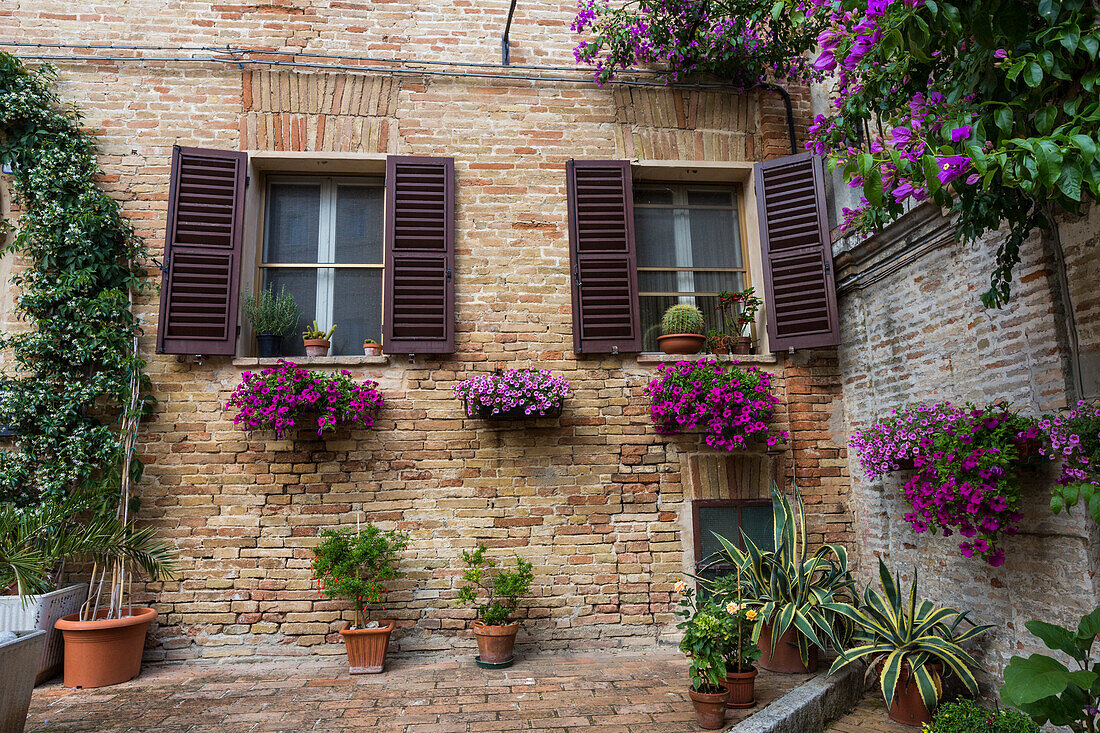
<point x="679" y="587"/>
<point x="732" y="608"/>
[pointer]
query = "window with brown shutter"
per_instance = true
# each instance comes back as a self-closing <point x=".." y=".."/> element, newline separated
<point x="799" y="293"/>
<point x="604" y="268"/>
<point x="202" y="252"/>
<point x="420" y="246"/>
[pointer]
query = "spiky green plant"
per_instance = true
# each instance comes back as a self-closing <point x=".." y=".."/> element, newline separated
<point x="789" y="587"/>
<point x="316" y="332"/>
<point x="271" y="313"/>
<point x="899" y="632"/>
<point x="683" y="318"/>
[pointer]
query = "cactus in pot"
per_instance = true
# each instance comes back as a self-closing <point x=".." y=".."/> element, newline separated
<point x="683" y="328"/>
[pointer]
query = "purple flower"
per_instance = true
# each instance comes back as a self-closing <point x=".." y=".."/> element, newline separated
<point x="1000" y="53"/>
<point x="960" y="133"/>
<point x="951" y="167"/>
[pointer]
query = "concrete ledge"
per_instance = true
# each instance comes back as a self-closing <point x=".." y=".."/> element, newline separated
<point x="810" y="707"/>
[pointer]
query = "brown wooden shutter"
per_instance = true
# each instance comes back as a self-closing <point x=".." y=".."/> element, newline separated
<point x="601" y="248"/>
<point x="420" y="255"/>
<point x="799" y="293"/>
<point x="202" y="252"/>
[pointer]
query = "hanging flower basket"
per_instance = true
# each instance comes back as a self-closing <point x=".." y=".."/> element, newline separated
<point x="513" y="394"/>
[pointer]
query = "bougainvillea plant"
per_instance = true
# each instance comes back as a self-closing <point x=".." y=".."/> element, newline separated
<point x="280" y="396"/>
<point x="1075" y="440"/>
<point x="733" y="404"/>
<point x="356" y="565"/>
<point x="989" y="108"/>
<point x="745" y="42"/>
<point x="526" y="391"/>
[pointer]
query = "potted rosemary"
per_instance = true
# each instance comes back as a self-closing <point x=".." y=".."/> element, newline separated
<point x="272" y="315"/>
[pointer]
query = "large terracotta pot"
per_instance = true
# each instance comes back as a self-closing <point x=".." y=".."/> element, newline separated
<point x="496" y="644"/>
<point x="710" y="708"/>
<point x="742" y="688"/>
<point x="317" y="347"/>
<point x="784" y="658"/>
<point x="681" y="343"/>
<point x="104" y="651"/>
<point x="367" y="648"/>
<point x="908" y="707"/>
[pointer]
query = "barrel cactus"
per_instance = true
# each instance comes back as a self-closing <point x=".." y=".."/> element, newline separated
<point x="683" y="318"/>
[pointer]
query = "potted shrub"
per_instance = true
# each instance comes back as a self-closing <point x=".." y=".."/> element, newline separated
<point x="496" y="593"/>
<point x="733" y="403"/>
<point x="372" y="348"/>
<point x="1046" y="688"/>
<point x="738" y="314"/>
<point x="513" y="394"/>
<point x="682" y="327"/>
<point x="910" y="645"/>
<point x="967" y="716"/>
<point x="20" y="652"/>
<point x="707" y="630"/>
<point x="317" y="341"/>
<point x="718" y="342"/>
<point x="272" y="316"/>
<point x="797" y="595"/>
<point x="355" y="567"/>
<point x="280" y="396"/>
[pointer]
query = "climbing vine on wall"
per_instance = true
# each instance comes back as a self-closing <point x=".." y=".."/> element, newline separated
<point x="68" y="376"/>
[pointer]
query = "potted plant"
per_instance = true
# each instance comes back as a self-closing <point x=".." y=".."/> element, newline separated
<point x="513" y="394"/>
<point x="967" y="716"/>
<point x="316" y="340"/>
<point x="707" y="631"/>
<point x="355" y="567"/>
<point x="19" y="655"/>
<point x="1047" y="689"/>
<point x="272" y="316"/>
<point x="279" y="396"/>
<point x="797" y="595"/>
<point x="741" y="672"/>
<point x="496" y="592"/>
<point x="738" y="314"/>
<point x="682" y="327"/>
<point x="718" y="342"/>
<point x="1074" y="438"/>
<point x="372" y="348"/>
<point x="909" y="644"/>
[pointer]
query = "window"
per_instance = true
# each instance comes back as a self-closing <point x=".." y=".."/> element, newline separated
<point x="689" y="249"/>
<point x="727" y="517"/>
<point x="323" y="241"/>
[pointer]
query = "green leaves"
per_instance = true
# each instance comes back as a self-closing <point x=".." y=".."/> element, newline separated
<point x="500" y="589"/>
<point x="1038" y="676"/>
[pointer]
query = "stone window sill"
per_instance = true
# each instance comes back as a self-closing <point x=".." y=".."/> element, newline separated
<point x="313" y="361"/>
<point x="656" y="358"/>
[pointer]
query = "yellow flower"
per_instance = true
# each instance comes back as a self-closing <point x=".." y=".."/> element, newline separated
<point x="679" y="587"/>
<point x="732" y="608"/>
<point x="751" y="614"/>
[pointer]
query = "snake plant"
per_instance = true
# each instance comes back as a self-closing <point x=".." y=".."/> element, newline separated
<point x="789" y="587"/>
<point x="899" y="632"/>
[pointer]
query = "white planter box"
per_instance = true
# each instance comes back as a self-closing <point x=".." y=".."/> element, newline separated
<point x="19" y="660"/>
<point x="41" y="612"/>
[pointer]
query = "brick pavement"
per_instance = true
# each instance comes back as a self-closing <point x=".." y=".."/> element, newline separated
<point x="606" y="691"/>
<point x="869" y="717"/>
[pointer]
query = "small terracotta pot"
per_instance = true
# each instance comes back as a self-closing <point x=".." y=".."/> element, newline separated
<point x="743" y="345"/>
<point x="681" y="343"/>
<point x="785" y="657"/>
<point x="372" y="349"/>
<point x="710" y="708"/>
<point x="742" y="688"/>
<point x="908" y="707"/>
<point x="104" y="651"/>
<point x="496" y="644"/>
<point x="317" y="347"/>
<point x="367" y="648"/>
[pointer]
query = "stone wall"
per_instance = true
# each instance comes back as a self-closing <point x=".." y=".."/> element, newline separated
<point x="596" y="499"/>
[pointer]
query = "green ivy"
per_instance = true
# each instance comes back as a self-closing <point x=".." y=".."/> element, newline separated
<point x="73" y="363"/>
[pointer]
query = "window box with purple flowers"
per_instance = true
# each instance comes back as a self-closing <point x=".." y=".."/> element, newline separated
<point x="513" y="394"/>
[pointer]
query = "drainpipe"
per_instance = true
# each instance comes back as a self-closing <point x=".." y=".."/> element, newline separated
<point x="790" y="111"/>
<point x="504" y="39"/>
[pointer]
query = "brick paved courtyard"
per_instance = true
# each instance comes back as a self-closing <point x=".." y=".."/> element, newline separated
<point x="606" y="691"/>
<point x="869" y="717"/>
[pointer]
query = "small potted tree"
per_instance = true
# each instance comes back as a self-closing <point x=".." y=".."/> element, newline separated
<point x="682" y="327"/>
<point x="738" y="314"/>
<point x="355" y="567"/>
<point x="496" y="592"/>
<point x="706" y="641"/>
<point x="317" y="341"/>
<point x="272" y="316"/>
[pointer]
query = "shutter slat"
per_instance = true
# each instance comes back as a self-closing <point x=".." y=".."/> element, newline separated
<point x="419" y="305"/>
<point x="203" y="240"/>
<point x="604" y="273"/>
<point x="799" y="293"/>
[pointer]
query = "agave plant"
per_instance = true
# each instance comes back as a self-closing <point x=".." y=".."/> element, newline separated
<point x="789" y="587"/>
<point x="899" y="632"/>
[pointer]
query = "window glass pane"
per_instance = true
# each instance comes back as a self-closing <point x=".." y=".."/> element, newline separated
<point x="301" y="283"/>
<point x="657" y="281"/>
<point x="653" y="307"/>
<point x="359" y="224"/>
<point x="717" y="519"/>
<point x="357" y="309"/>
<point x="293" y="216"/>
<point x="653" y="195"/>
<point x="654" y="238"/>
<point x="715" y="238"/>
<point x="757" y="523"/>
<point x="710" y="197"/>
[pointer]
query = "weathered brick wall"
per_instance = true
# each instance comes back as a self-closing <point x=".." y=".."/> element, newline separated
<point x="596" y="500"/>
<point x="914" y="330"/>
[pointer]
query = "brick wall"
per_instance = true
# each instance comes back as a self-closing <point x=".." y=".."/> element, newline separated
<point x="597" y="500"/>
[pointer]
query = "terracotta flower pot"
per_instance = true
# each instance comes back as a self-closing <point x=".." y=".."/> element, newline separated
<point x="372" y="349"/>
<point x="681" y="343"/>
<point x="784" y="658"/>
<point x="908" y="707"/>
<point x="317" y="347"/>
<point x="743" y="345"/>
<point x="710" y="708"/>
<point x="742" y="688"/>
<point x="104" y="651"/>
<point x="496" y="644"/>
<point x="367" y="648"/>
